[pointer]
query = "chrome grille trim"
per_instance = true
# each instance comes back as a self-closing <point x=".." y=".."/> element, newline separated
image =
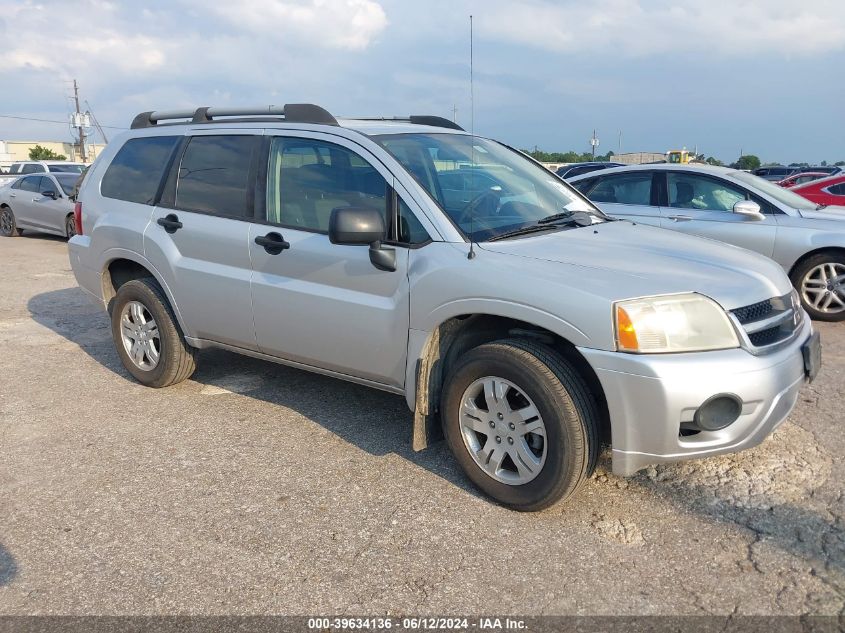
<point x="767" y="326"/>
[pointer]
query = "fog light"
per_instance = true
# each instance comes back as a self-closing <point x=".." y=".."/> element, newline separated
<point x="718" y="412"/>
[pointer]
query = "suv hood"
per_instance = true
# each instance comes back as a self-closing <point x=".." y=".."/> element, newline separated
<point x="625" y="260"/>
<point x="827" y="213"/>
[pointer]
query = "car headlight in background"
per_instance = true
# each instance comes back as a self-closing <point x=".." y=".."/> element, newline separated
<point x="673" y="323"/>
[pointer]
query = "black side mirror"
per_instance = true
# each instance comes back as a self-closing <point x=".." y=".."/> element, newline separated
<point x="361" y="226"/>
<point x="49" y="194"/>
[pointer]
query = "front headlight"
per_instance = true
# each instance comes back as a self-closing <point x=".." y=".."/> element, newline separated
<point x="672" y="323"/>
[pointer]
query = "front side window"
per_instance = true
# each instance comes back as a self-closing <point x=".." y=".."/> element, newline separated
<point x="136" y="171"/>
<point x="214" y="175"/>
<point x="409" y="229"/>
<point x="67" y="182"/>
<point x="633" y="188"/>
<point x="307" y="179"/>
<point x="690" y="191"/>
<point x="47" y="184"/>
<point x="486" y="189"/>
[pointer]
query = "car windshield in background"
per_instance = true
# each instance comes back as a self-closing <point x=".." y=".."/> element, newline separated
<point x="67" y="182"/>
<point x="75" y="169"/>
<point x="784" y="196"/>
<point x="486" y="188"/>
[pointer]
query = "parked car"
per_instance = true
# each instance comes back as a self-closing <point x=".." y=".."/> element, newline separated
<point x="576" y="169"/>
<point x="39" y="203"/>
<point x="530" y="331"/>
<point x="800" y="177"/>
<point x="45" y="166"/>
<point x="774" y="173"/>
<point x="829" y="170"/>
<point x="828" y="192"/>
<point x="739" y="208"/>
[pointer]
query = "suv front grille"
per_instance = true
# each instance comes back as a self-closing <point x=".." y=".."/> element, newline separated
<point x="768" y="323"/>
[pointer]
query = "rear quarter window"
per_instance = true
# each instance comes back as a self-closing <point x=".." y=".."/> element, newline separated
<point x="136" y="171"/>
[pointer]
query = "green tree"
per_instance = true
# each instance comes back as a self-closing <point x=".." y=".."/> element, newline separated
<point x="44" y="153"/>
<point x="713" y="161"/>
<point x="823" y="163"/>
<point x="749" y="161"/>
<point x="840" y="163"/>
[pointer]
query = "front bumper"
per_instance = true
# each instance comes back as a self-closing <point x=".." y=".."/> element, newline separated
<point x="650" y="396"/>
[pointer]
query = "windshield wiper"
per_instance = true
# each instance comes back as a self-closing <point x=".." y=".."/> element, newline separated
<point x="525" y="230"/>
<point x="581" y="218"/>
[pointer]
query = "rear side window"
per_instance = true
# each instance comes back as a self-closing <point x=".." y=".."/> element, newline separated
<point x="33" y="183"/>
<point x="623" y="189"/>
<point x="837" y="190"/>
<point x="32" y="169"/>
<point x="214" y="175"/>
<point x="135" y="172"/>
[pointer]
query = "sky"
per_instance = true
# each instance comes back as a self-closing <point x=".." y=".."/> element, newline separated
<point x="764" y="77"/>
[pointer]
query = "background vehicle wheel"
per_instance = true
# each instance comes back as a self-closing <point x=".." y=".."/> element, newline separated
<point x="147" y="336"/>
<point x="820" y="281"/>
<point x="8" y="226"/>
<point x="70" y="226"/>
<point x="521" y="422"/>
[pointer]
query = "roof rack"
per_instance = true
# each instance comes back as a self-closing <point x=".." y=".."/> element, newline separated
<point x="417" y="119"/>
<point x="292" y="113"/>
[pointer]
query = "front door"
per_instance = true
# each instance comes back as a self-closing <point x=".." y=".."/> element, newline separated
<point x="702" y="205"/>
<point x="315" y="302"/>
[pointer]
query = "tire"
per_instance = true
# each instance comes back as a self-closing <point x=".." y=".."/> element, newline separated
<point x="536" y="374"/>
<point x="70" y="226"/>
<point x="8" y="225"/>
<point x="820" y="282"/>
<point x="137" y="302"/>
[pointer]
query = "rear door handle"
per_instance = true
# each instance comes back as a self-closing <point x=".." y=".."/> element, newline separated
<point x="273" y="243"/>
<point x="680" y="218"/>
<point x="170" y="222"/>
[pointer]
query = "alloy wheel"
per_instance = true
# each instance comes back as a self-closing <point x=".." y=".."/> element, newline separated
<point x="823" y="288"/>
<point x="140" y="336"/>
<point x="503" y="430"/>
<point x="6" y="222"/>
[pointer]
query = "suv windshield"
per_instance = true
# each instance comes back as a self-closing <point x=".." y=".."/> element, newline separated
<point x="487" y="189"/>
<point x="784" y="196"/>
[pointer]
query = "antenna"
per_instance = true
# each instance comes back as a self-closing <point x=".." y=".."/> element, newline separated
<point x="471" y="254"/>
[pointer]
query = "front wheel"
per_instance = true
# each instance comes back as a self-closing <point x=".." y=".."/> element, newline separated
<point x="521" y="422"/>
<point x="147" y="336"/>
<point x="820" y="281"/>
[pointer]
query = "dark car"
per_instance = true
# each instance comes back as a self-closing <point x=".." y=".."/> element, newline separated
<point x="576" y="169"/>
<point x="830" y="170"/>
<point x="774" y="173"/>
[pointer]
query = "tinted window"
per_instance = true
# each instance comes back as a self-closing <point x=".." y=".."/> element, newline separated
<point x="837" y="190"/>
<point x="214" y="175"/>
<point x="15" y="169"/>
<point x="690" y="191"/>
<point x="67" y="182"/>
<point x="135" y="172"/>
<point x="577" y="171"/>
<point x="47" y="184"/>
<point x="32" y="169"/>
<point x="76" y="169"/>
<point x="307" y="179"/>
<point x="634" y="188"/>
<point x="33" y="183"/>
<point x="410" y="230"/>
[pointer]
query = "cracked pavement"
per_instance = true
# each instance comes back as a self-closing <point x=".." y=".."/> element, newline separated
<point x="259" y="489"/>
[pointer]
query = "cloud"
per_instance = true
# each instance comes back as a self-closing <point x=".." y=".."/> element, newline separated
<point x="726" y="28"/>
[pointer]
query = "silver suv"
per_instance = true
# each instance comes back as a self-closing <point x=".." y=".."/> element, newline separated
<point x="408" y="255"/>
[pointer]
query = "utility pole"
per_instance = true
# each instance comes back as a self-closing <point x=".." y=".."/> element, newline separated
<point x="594" y="143"/>
<point x="455" y="113"/>
<point x="78" y="121"/>
<point x="620" y="141"/>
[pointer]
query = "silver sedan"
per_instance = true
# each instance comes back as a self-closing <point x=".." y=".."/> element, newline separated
<point x="39" y="202"/>
<point x="736" y="207"/>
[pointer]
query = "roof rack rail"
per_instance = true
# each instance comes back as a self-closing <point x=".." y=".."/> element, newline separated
<point x="417" y="119"/>
<point x="292" y="113"/>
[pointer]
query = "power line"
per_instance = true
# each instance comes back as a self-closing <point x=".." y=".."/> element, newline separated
<point x="26" y="118"/>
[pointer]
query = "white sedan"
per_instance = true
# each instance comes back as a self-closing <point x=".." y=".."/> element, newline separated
<point x="38" y="202"/>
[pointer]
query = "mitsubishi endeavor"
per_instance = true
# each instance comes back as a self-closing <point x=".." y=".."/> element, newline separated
<point x="408" y="255"/>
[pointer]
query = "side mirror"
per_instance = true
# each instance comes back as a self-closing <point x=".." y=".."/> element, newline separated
<point x="750" y="209"/>
<point x="360" y="226"/>
<point x="49" y="194"/>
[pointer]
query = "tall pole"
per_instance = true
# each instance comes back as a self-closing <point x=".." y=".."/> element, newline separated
<point x="80" y="128"/>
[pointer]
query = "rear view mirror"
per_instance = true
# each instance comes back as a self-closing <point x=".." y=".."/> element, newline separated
<point x="749" y="208"/>
<point x="359" y="226"/>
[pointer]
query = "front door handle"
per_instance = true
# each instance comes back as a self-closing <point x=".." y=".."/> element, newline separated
<point x="680" y="218"/>
<point x="170" y="222"/>
<point x="273" y="243"/>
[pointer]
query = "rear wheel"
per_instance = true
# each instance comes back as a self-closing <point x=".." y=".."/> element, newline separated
<point x="70" y="226"/>
<point x="147" y="336"/>
<point x="521" y="422"/>
<point x="820" y="281"/>
<point x="8" y="226"/>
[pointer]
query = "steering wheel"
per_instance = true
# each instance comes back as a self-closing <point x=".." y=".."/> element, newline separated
<point x="484" y="204"/>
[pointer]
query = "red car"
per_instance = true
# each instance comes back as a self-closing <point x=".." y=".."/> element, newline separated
<point x="800" y="178"/>
<point x="826" y="191"/>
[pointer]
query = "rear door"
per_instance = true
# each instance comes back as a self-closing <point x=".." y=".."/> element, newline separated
<point x="317" y="303"/>
<point x="701" y="204"/>
<point x="198" y="236"/>
<point x="24" y="201"/>
<point x="628" y="195"/>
